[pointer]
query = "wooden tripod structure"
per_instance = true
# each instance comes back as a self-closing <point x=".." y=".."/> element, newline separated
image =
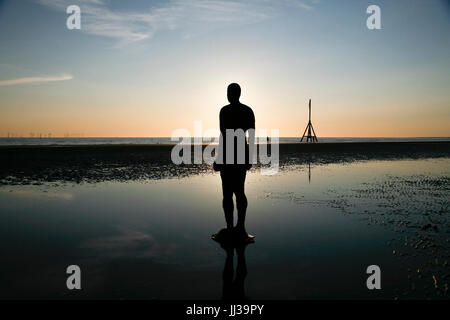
<point x="309" y="128"/>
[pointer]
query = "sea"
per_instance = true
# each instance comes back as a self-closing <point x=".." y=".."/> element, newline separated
<point x="168" y="140"/>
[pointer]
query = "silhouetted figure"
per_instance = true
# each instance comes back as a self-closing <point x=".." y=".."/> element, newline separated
<point x="235" y="116"/>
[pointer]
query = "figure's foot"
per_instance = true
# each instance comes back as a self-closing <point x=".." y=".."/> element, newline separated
<point x="242" y="234"/>
<point x="224" y="234"/>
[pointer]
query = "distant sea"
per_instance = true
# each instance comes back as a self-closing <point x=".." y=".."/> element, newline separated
<point x="167" y="140"/>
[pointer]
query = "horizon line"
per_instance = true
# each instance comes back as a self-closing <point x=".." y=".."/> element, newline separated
<point x="168" y="137"/>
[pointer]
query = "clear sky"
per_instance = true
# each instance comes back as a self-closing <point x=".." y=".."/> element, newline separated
<point x="145" y="68"/>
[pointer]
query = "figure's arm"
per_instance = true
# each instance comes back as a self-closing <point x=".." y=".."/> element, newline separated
<point x="221" y="122"/>
<point x="217" y="165"/>
<point x="251" y="140"/>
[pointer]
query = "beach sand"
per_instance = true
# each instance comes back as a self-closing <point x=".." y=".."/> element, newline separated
<point x="139" y="227"/>
<point x="96" y="163"/>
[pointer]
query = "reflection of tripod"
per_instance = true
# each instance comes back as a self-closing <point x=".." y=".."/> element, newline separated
<point x="309" y="172"/>
<point x="310" y="137"/>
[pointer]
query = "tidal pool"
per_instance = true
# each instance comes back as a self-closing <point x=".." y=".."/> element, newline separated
<point x="317" y="228"/>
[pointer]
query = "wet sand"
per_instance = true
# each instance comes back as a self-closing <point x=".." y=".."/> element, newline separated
<point x="96" y="163"/>
<point x="317" y="229"/>
<point x="140" y="227"/>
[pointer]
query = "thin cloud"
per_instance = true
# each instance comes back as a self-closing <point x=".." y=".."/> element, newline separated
<point x="191" y="17"/>
<point x="25" y="80"/>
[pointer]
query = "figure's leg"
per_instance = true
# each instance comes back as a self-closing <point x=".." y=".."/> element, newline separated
<point x="241" y="199"/>
<point x="227" y="202"/>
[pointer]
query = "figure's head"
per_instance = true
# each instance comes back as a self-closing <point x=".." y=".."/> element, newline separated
<point x="234" y="92"/>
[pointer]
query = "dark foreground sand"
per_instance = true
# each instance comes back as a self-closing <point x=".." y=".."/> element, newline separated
<point x="96" y="163"/>
<point x="151" y="239"/>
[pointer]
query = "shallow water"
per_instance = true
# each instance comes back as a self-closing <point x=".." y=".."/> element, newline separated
<point x="317" y="230"/>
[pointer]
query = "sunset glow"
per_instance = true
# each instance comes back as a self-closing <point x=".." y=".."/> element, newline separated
<point x="137" y="69"/>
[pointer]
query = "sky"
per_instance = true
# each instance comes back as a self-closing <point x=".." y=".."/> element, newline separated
<point x="147" y="68"/>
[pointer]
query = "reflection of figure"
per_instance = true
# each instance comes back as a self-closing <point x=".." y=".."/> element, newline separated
<point x="234" y="289"/>
<point x="233" y="286"/>
<point x="234" y="116"/>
